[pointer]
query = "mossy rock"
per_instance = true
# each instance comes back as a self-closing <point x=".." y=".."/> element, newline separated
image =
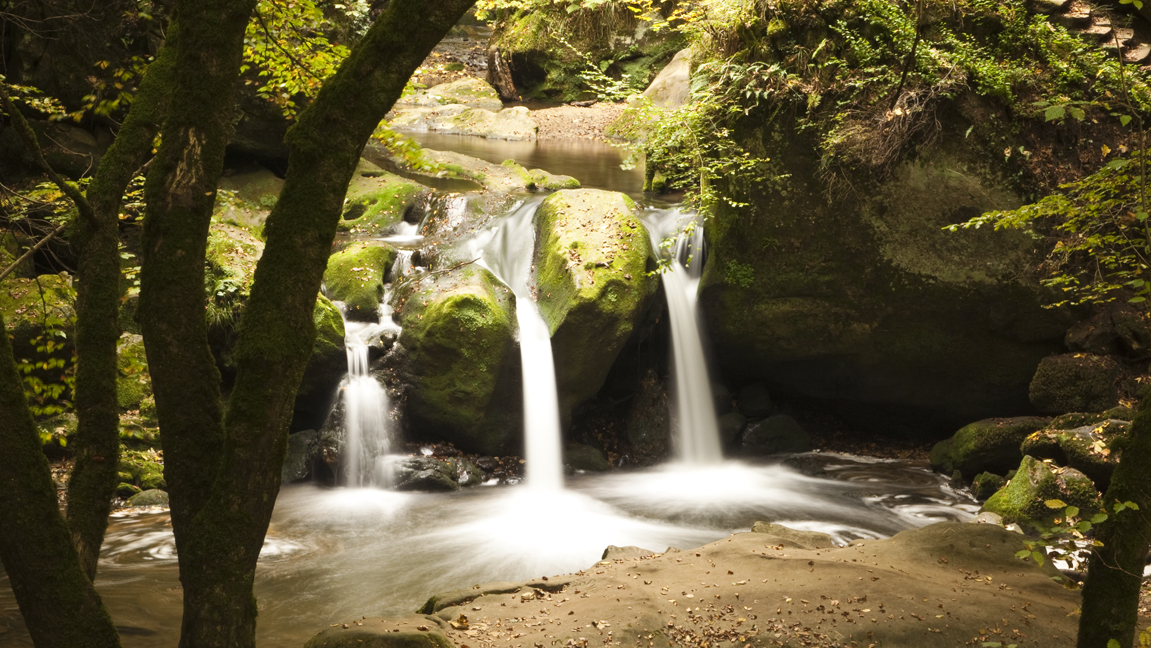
<point x="356" y="276"/>
<point x="990" y="445"/>
<point x="134" y="383"/>
<point x="1092" y="449"/>
<point x="246" y="197"/>
<point x="534" y="179"/>
<point x="649" y="421"/>
<point x="459" y="335"/>
<point x="986" y="484"/>
<point x="1075" y="382"/>
<point x="591" y="261"/>
<point x="775" y="434"/>
<point x="378" y="200"/>
<point x="1023" y="499"/>
<point x="325" y="368"/>
<point x="149" y="497"/>
<point x="585" y="457"/>
<point x="144" y="469"/>
<point x="471" y="92"/>
<point x="867" y="302"/>
<point x="12" y="247"/>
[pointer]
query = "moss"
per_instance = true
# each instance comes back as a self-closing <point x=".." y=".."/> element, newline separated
<point x="1022" y="499"/>
<point x="990" y="445"/>
<point x="1091" y="449"/>
<point x="593" y="295"/>
<point x="356" y="276"/>
<point x="141" y="468"/>
<point x="376" y="202"/>
<point x="986" y="484"/>
<point x="133" y="384"/>
<point x="28" y="303"/>
<point x="1075" y="382"/>
<point x="458" y="331"/>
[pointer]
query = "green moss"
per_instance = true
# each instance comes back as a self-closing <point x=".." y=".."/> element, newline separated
<point x="377" y="202"/>
<point x="133" y="384"/>
<point x="1092" y="449"/>
<point x="990" y="445"/>
<point x="28" y="303"/>
<point x="141" y="469"/>
<point x="1022" y="499"/>
<point x="591" y="295"/>
<point x="356" y="276"/>
<point x="458" y="330"/>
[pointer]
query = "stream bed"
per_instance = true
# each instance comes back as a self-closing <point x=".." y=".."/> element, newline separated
<point x="334" y="554"/>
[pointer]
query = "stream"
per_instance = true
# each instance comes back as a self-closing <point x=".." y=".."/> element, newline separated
<point x="336" y="554"/>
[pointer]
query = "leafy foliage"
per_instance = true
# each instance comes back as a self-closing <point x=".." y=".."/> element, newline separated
<point x="50" y="375"/>
<point x="1104" y="241"/>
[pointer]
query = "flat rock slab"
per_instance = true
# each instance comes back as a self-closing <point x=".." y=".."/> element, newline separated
<point x="457" y="119"/>
<point x="948" y="584"/>
<point x="406" y="632"/>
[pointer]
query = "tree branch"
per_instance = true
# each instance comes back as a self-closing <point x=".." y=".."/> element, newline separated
<point x="41" y="243"/>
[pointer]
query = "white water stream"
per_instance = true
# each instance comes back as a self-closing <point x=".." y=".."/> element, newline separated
<point x="363" y="460"/>
<point x="507" y="249"/>
<point x="696" y="433"/>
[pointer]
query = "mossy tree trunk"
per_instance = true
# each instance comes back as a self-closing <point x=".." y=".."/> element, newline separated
<point x="56" y="598"/>
<point x="1115" y="571"/>
<point x="224" y="475"/>
<point x="97" y="441"/>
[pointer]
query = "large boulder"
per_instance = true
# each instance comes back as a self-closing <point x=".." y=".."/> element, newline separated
<point x="247" y="195"/>
<point x="648" y="422"/>
<point x="470" y="92"/>
<point x="867" y="303"/>
<point x="377" y="201"/>
<point x="325" y="368"/>
<point x="1075" y="382"/>
<point x="990" y="445"/>
<point x="672" y="85"/>
<point x="513" y="123"/>
<point x="1023" y="499"/>
<point x="1091" y="449"/>
<point x="356" y="276"/>
<point x="1118" y="327"/>
<point x="775" y="434"/>
<point x="591" y="262"/>
<point x="461" y="360"/>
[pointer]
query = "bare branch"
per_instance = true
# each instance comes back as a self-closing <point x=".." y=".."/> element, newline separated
<point x="32" y="250"/>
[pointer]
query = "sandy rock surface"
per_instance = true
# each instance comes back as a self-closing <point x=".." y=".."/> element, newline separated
<point x="948" y="584"/>
<point x="574" y="122"/>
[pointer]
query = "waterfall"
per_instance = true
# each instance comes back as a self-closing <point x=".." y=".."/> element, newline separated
<point x="507" y="250"/>
<point x="363" y="459"/>
<point x="696" y="437"/>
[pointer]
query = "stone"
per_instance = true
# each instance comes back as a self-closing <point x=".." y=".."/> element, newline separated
<point x="134" y="383"/>
<point x="672" y="85"/>
<point x="377" y="201"/>
<point x="592" y="284"/>
<point x="585" y="457"/>
<point x="793" y="538"/>
<point x="986" y="484"/>
<point x="498" y="178"/>
<point x="301" y="447"/>
<point x="150" y="497"/>
<point x="1022" y="500"/>
<point x="730" y="425"/>
<point x="990" y="445"/>
<point x="375" y="633"/>
<point x="471" y="92"/>
<point x="649" y="421"/>
<point x="723" y="399"/>
<point x="987" y="517"/>
<point x="755" y="401"/>
<point x="356" y="276"/>
<point x="463" y="367"/>
<point x="1118" y="327"/>
<point x="327" y="365"/>
<point x="625" y="553"/>
<point x="773" y="435"/>
<point x="425" y="474"/>
<point x="247" y="195"/>
<point x="1075" y="382"/>
<point x="141" y="468"/>
<point x="1088" y="448"/>
<point x="947" y="329"/>
<point x="508" y="124"/>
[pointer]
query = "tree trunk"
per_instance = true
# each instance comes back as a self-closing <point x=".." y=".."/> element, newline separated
<point x="97" y="441"/>
<point x="1115" y="571"/>
<point x="277" y="330"/>
<point x="56" y="598"/>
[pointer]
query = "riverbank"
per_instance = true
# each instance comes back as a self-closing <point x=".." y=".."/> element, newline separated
<point x="947" y="584"/>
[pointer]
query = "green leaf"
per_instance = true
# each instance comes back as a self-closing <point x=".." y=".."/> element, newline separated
<point x="1038" y="557"/>
<point x="1055" y="504"/>
<point x="1054" y="112"/>
<point x="1071" y="511"/>
<point x="1113" y="643"/>
<point x="1124" y="119"/>
<point x="1077" y="113"/>
<point x="1022" y="553"/>
<point x="1133" y="300"/>
<point x="1099" y="518"/>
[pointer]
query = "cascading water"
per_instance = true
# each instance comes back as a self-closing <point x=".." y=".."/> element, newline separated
<point x="363" y="460"/>
<point x="506" y="249"/>
<point x="696" y="437"/>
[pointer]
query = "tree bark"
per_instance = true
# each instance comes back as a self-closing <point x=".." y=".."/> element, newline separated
<point x="56" y="598"/>
<point x="1115" y="570"/>
<point x="97" y="441"/>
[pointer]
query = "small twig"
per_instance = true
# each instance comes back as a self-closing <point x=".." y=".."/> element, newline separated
<point x="29" y="137"/>
<point x="455" y="267"/>
<point x="42" y="243"/>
